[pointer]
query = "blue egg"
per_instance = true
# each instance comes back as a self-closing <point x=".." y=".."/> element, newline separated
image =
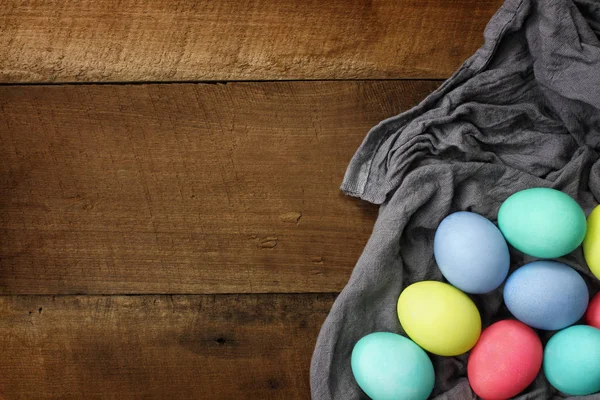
<point x="387" y="366"/>
<point x="471" y="252"/>
<point x="546" y="295"/>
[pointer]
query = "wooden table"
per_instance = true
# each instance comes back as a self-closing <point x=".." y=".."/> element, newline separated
<point x="170" y="220"/>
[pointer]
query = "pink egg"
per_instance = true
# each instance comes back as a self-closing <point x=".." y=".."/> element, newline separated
<point x="505" y="360"/>
<point x="592" y="315"/>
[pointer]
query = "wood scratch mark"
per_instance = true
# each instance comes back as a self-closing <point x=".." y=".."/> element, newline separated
<point x="225" y="186"/>
<point x="228" y="195"/>
<point x="291" y="217"/>
<point x="268" y="242"/>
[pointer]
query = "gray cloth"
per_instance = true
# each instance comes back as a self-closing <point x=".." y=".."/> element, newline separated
<point x="523" y="112"/>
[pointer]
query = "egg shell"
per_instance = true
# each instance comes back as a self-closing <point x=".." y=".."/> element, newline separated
<point x="546" y="295"/>
<point x="505" y="360"/>
<point x="439" y="318"/>
<point x="591" y="243"/>
<point x="541" y="222"/>
<point x="388" y="366"/>
<point x="572" y="360"/>
<point x="471" y="252"/>
<point x="592" y="315"/>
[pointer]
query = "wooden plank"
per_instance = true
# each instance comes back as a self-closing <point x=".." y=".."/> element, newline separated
<point x="190" y="40"/>
<point x="185" y="188"/>
<point x="158" y="347"/>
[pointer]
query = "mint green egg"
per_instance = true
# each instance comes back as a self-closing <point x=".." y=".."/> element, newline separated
<point x="387" y="366"/>
<point x="572" y="360"/>
<point x="541" y="222"/>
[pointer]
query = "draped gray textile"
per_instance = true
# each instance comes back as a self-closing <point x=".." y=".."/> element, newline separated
<point x="523" y="111"/>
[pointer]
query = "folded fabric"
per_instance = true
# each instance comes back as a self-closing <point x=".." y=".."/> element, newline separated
<point x="523" y="111"/>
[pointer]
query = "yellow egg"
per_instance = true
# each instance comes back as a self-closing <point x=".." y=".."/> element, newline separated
<point x="591" y="243"/>
<point x="439" y="318"/>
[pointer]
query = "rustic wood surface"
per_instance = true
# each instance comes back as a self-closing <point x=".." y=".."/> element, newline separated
<point x="185" y="188"/>
<point x="158" y="347"/>
<point x="187" y="240"/>
<point x="182" y="40"/>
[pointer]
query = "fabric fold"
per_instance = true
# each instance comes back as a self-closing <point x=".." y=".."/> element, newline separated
<point x="523" y="111"/>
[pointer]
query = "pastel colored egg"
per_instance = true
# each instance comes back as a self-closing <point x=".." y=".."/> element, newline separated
<point x="572" y="360"/>
<point x="546" y="295"/>
<point x="387" y="366"/>
<point x="541" y="222"/>
<point x="439" y="318"/>
<point x="471" y="252"/>
<point x="592" y="315"/>
<point x="505" y="360"/>
<point x="591" y="243"/>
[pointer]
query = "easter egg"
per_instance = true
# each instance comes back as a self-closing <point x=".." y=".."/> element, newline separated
<point x="541" y="222"/>
<point x="439" y="318"/>
<point x="592" y="315"/>
<point x="591" y="243"/>
<point x="572" y="360"/>
<point x="546" y="295"/>
<point x="505" y="360"/>
<point x="387" y="366"/>
<point x="471" y="252"/>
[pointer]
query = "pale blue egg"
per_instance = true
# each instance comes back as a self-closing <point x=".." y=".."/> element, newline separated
<point x="471" y="252"/>
<point x="572" y="360"/>
<point x="546" y="295"/>
<point x="389" y="367"/>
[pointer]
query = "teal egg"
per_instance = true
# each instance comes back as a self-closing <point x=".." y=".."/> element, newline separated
<point x="387" y="366"/>
<point x="541" y="222"/>
<point x="572" y="360"/>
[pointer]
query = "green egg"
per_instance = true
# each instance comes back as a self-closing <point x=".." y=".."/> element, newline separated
<point x="541" y="222"/>
<point x="389" y="367"/>
<point x="572" y="360"/>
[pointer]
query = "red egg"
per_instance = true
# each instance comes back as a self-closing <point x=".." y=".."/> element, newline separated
<point x="592" y="315"/>
<point x="505" y="360"/>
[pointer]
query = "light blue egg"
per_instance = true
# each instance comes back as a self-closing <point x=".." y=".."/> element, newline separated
<point x="572" y="360"/>
<point x="546" y="295"/>
<point x="471" y="252"/>
<point x="389" y="367"/>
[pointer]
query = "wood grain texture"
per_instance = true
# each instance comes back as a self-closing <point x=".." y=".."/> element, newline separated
<point x="185" y="188"/>
<point x="190" y="40"/>
<point x="158" y="347"/>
